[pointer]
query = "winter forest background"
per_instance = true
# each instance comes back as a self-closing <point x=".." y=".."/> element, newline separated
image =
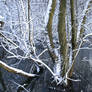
<point x="45" y="46"/>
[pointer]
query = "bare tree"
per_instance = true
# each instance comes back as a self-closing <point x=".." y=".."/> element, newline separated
<point x="23" y="40"/>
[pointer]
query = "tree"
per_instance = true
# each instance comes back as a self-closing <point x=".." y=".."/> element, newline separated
<point x="24" y="40"/>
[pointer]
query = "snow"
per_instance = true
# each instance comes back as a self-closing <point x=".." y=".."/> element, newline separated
<point x="82" y="15"/>
<point x="47" y="12"/>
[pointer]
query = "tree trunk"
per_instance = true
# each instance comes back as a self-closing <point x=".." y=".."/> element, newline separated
<point x="29" y="17"/>
<point x="74" y="33"/>
<point x="49" y="29"/>
<point x="50" y="21"/>
<point x="62" y="35"/>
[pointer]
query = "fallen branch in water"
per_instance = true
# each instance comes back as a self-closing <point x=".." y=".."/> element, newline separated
<point x="15" y="70"/>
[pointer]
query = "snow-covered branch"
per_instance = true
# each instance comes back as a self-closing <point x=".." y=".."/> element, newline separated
<point x="20" y="86"/>
<point x="83" y="15"/>
<point x="15" y="70"/>
<point x="78" y="50"/>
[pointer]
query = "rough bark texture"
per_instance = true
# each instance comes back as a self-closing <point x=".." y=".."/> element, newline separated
<point x="50" y="21"/>
<point x="62" y="34"/>
<point x="74" y="33"/>
<point x="74" y="27"/>
<point x="49" y="29"/>
<point x="82" y="28"/>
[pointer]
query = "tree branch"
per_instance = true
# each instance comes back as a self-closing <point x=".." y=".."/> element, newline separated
<point x="15" y="70"/>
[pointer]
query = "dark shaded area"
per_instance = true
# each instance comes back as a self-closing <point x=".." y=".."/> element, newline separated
<point x="44" y="82"/>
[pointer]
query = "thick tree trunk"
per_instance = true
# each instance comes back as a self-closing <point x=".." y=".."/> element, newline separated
<point x="49" y="29"/>
<point x="74" y="30"/>
<point x="74" y="33"/>
<point x="62" y="35"/>
<point x="50" y="21"/>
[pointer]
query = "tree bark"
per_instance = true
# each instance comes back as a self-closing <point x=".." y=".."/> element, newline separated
<point x="49" y="29"/>
<point x="74" y="33"/>
<point x="62" y="35"/>
<point x="50" y="21"/>
<point x="29" y="19"/>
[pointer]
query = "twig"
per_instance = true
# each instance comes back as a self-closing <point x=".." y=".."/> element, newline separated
<point x="73" y="79"/>
<point x="9" y="40"/>
<point x="42" y="53"/>
<point x="82" y="49"/>
<point x="77" y="52"/>
<point x="20" y="86"/>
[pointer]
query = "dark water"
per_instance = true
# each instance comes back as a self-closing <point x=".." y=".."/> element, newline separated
<point x="43" y="83"/>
